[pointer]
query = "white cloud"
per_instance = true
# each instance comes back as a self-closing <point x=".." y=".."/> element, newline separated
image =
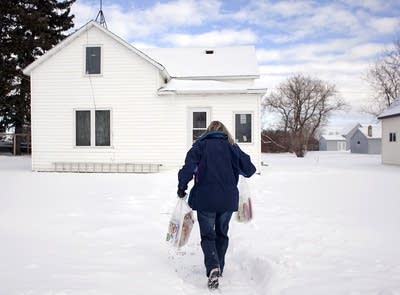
<point x="366" y="50"/>
<point x="143" y="45"/>
<point x="333" y="40"/>
<point x="385" y="25"/>
<point x="347" y="50"/>
<point x="292" y="21"/>
<point x="83" y="13"/>
<point x="213" y="38"/>
<point x="182" y="12"/>
<point x="161" y="17"/>
<point x="372" y="5"/>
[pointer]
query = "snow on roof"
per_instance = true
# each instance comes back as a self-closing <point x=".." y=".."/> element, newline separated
<point x="195" y="63"/>
<point x="333" y="137"/>
<point x="238" y="61"/>
<point x="392" y="110"/>
<point x="206" y="86"/>
<point x="349" y="128"/>
<point x="376" y="131"/>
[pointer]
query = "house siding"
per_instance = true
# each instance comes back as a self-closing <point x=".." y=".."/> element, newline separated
<point x="322" y="144"/>
<point x="366" y="146"/>
<point x="391" y="150"/>
<point x="374" y="146"/>
<point x="330" y="145"/>
<point x="349" y="135"/>
<point x="146" y="128"/>
<point x="362" y="147"/>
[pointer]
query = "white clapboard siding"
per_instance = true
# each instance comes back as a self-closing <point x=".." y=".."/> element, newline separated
<point x="391" y="150"/>
<point x="146" y="128"/>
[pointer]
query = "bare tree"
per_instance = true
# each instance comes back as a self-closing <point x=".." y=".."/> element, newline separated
<point x="304" y="104"/>
<point x="384" y="77"/>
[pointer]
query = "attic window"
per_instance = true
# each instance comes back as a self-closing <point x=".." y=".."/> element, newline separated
<point x="93" y="60"/>
<point x="209" y="51"/>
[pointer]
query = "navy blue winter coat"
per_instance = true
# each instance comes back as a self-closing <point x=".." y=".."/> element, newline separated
<point x="215" y="165"/>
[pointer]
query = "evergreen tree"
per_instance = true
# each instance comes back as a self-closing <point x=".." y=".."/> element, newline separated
<point x="28" y="29"/>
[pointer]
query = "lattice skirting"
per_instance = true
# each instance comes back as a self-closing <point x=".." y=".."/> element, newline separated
<point x="91" y="167"/>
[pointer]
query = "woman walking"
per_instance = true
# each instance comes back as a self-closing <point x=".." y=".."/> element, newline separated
<point x="215" y="161"/>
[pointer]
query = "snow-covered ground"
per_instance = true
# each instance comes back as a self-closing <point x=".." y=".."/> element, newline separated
<point x="325" y="224"/>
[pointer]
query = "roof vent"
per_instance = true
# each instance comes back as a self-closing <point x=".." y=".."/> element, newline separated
<point x="209" y="51"/>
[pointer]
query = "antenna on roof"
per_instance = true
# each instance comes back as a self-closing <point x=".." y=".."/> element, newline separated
<point x="100" y="16"/>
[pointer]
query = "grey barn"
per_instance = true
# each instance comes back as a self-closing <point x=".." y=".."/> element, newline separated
<point x="366" y="140"/>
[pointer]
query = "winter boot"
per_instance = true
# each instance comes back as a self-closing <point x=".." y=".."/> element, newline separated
<point x="213" y="278"/>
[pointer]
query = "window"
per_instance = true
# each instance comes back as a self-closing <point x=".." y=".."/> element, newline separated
<point x="93" y="60"/>
<point x="100" y="136"/>
<point x="103" y="128"/>
<point x="392" y="137"/>
<point x="243" y="128"/>
<point x="82" y="125"/>
<point x="199" y="124"/>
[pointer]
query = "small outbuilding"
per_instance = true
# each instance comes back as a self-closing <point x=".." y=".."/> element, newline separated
<point x="333" y="142"/>
<point x="348" y="133"/>
<point x="390" y="133"/>
<point x="366" y="140"/>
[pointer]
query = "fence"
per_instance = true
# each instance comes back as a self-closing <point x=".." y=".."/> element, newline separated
<point x="8" y="142"/>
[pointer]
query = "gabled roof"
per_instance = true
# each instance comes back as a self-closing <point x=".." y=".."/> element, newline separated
<point x="208" y="63"/>
<point x="177" y="86"/>
<point x="350" y="129"/>
<point x="392" y="111"/>
<point x="376" y="131"/>
<point x="80" y="31"/>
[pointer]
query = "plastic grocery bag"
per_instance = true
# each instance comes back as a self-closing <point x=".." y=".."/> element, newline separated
<point x="181" y="224"/>
<point x="245" y="209"/>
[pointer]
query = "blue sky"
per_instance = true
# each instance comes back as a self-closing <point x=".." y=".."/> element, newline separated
<point x="334" y="40"/>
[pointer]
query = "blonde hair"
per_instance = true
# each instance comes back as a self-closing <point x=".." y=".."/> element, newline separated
<point x="218" y="126"/>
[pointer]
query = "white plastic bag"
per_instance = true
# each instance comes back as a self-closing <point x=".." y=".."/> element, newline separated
<point x="181" y="224"/>
<point x="245" y="209"/>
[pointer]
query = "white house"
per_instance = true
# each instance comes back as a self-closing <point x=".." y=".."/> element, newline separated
<point x="332" y="142"/>
<point x="100" y="104"/>
<point x="390" y="134"/>
<point x="366" y="140"/>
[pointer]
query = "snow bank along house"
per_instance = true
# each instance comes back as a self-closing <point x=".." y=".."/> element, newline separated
<point x="100" y="104"/>
<point x="390" y="133"/>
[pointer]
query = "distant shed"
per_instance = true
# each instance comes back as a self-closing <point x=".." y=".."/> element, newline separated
<point x="332" y="143"/>
<point x="366" y="140"/>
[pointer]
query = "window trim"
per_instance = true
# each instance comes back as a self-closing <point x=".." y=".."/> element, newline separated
<point x="392" y="137"/>
<point x="191" y="110"/>
<point x="101" y="60"/>
<point x="252" y="126"/>
<point x="92" y="129"/>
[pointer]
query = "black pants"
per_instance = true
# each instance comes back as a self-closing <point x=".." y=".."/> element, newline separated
<point x="214" y="238"/>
